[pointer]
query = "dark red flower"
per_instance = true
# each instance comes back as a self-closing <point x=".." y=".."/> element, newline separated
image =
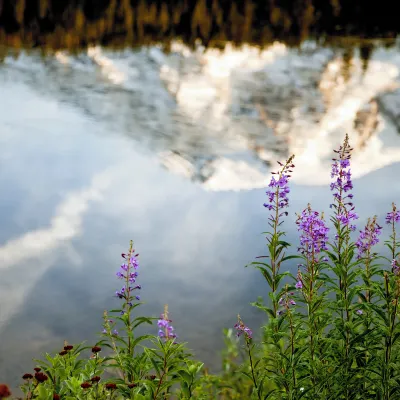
<point x="151" y="377"/>
<point x="111" y="386"/>
<point x="37" y="369"/>
<point x="96" y="349"/>
<point x="63" y="353"/>
<point x="56" y="396"/>
<point x="4" y="391"/>
<point x="68" y="348"/>
<point x="27" y="376"/>
<point x="86" y="385"/>
<point x="95" y="379"/>
<point x="41" y="377"/>
<point x="131" y="385"/>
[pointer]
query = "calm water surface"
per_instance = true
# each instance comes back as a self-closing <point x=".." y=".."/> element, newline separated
<point x="172" y="151"/>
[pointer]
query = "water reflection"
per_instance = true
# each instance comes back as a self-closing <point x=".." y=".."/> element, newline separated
<point x="221" y="118"/>
<point x="105" y="146"/>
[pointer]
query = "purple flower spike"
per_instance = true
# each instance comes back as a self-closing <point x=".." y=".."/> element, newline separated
<point x="368" y="238"/>
<point x="166" y="330"/>
<point x="128" y="272"/>
<point x="342" y="184"/>
<point x="279" y="189"/>
<point x="314" y="233"/>
<point x="393" y="216"/>
<point x="241" y="328"/>
<point x="286" y="301"/>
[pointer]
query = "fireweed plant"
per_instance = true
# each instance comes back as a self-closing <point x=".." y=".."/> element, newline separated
<point x="124" y="364"/>
<point x="332" y="329"/>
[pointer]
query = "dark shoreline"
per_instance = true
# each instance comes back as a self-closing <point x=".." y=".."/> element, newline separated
<point x="74" y="24"/>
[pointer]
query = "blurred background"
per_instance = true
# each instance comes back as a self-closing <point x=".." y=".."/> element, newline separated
<point x="160" y="121"/>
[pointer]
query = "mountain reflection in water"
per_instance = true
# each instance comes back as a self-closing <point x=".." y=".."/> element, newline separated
<point x="221" y="118"/>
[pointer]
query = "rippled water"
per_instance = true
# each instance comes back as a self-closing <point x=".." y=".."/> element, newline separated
<point x="172" y="151"/>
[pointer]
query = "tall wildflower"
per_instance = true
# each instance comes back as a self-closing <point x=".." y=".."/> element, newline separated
<point x="391" y="323"/>
<point x="313" y="241"/>
<point x="278" y="202"/>
<point x="166" y="331"/>
<point x="341" y="255"/>
<point x="128" y="274"/>
<point x="242" y="329"/>
<point x="368" y="238"/>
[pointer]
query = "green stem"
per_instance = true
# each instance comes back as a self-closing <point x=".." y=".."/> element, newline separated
<point x="252" y="368"/>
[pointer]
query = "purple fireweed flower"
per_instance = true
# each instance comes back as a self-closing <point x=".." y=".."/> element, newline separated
<point x="286" y="302"/>
<point x="368" y="237"/>
<point x="393" y="216"/>
<point x="342" y="184"/>
<point x="278" y="190"/>
<point x="299" y="278"/>
<point x="129" y="274"/>
<point x="395" y="267"/>
<point x="166" y="330"/>
<point x="314" y="233"/>
<point x="242" y="328"/>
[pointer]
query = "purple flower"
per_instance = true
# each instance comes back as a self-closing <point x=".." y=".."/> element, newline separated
<point x="299" y="285"/>
<point x="314" y="233"/>
<point x="359" y="312"/>
<point x="242" y="328"/>
<point x="115" y="332"/>
<point x="285" y="302"/>
<point x="342" y="184"/>
<point x="279" y="190"/>
<point x="368" y="237"/>
<point x="166" y="330"/>
<point x="395" y="267"/>
<point x="129" y="274"/>
<point x="393" y="216"/>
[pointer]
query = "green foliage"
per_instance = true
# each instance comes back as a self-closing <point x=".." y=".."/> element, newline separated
<point x="331" y="332"/>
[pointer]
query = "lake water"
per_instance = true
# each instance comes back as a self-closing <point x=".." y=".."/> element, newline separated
<point x="173" y="151"/>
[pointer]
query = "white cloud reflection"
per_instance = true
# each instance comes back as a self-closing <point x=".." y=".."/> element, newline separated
<point x="26" y="258"/>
